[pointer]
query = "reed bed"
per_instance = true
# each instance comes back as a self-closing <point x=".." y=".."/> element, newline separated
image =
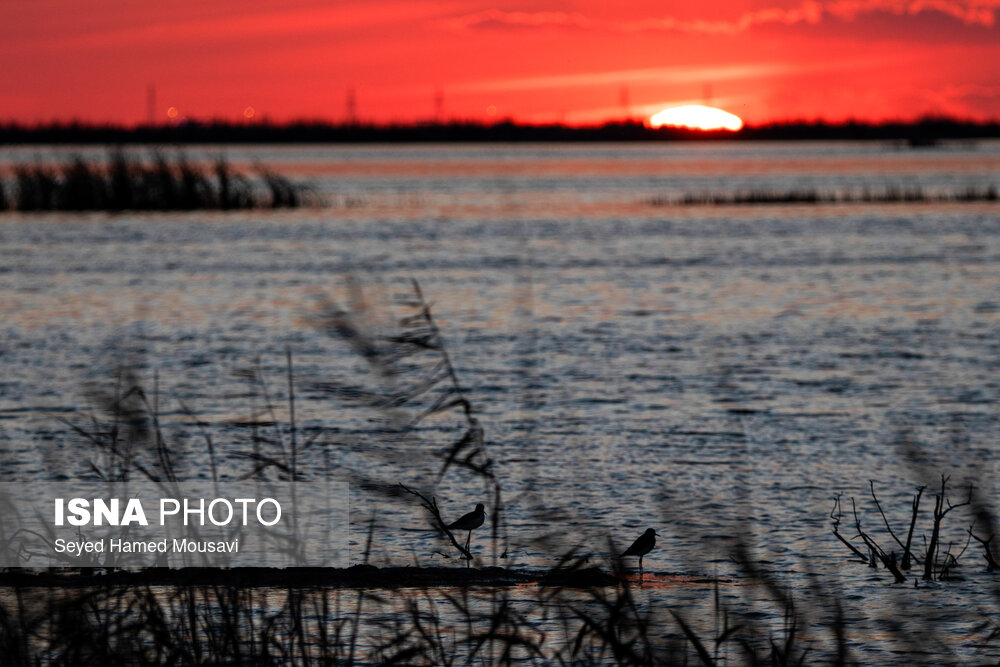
<point x="212" y="625"/>
<point x="127" y="182"/>
<point x="813" y="196"/>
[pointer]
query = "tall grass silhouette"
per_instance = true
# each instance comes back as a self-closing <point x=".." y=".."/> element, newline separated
<point x="814" y="196"/>
<point x="125" y="182"/>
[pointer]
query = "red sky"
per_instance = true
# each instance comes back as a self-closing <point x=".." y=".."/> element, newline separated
<point x="555" y="60"/>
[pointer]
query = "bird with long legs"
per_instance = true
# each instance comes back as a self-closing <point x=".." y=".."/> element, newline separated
<point x="469" y="522"/>
<point x="642" y="546"/>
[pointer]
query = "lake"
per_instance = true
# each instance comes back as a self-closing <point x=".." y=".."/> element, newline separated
<point x="719" y="373"/>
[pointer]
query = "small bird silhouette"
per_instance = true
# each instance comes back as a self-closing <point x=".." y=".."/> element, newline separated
<point x="469" y="522"/>
<point x="642" y="546"/>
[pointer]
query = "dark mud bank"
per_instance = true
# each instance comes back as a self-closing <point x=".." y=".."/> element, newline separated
<point x="357" y="576"/>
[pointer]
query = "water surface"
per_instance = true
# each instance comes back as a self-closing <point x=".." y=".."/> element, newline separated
<point x="719" y="373"/>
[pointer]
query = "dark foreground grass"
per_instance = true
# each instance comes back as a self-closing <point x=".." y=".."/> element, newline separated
<point x="225" y="624"/>
<point x="356" y="576"/>
<point x="228" y="625"/>
<point x="125" y="182"/>
<point x="568" y="615"/>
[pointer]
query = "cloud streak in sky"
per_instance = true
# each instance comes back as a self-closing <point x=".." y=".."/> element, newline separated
<point x="976" y="13"/>
<point x="675" y="74"/>
<point x="287" y="23"/>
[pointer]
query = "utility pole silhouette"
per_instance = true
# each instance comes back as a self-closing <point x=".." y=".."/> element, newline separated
<point x="624" y="102"/>
<point x="352" y="107"/>
<point x="151" y="105"/>
<point x="439" y="106"/>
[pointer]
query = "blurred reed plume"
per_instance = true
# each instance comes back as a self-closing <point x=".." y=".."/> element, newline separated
<point x="126" y="182"/>
<point x="416" y="391"/>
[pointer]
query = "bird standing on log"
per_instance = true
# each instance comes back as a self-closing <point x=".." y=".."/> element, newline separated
<point x="469" y="522"/>
<point x="642" y="546"/>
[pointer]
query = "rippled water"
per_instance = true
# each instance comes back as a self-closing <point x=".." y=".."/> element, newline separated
<point x="719" y="373"/>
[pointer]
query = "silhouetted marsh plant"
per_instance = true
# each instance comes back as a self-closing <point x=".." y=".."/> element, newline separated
<point x="126" y="182"/>
<point x="227" y="624"/>
<point x="812" y="196"/>
<point x="413" y="384"/>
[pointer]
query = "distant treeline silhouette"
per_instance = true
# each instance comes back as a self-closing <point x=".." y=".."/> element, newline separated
<point x="126" y="182"/>
<point x="912" y="194"/>
<point x="920" y="133"/>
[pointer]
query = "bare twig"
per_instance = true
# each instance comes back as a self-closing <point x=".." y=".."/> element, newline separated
<point x="430" y="504"/>
<point x="835" y="515"/>
<point x="907" y="552"/>
<point x="888" y="560"/>
<point x="991" y="563"/>
<point x="942" y="506"/>
<point x="871" y="486"/>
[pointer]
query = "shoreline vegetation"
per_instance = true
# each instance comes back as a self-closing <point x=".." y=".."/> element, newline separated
<point x="813" y="196"/>
<point x="926" y="132"/>
<point x="126" y="182"/>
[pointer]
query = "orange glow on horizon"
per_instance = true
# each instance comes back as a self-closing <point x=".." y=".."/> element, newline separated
<point x="697" y="117"/>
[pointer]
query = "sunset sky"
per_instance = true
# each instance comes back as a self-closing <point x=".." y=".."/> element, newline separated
<point x="571" y="61"/>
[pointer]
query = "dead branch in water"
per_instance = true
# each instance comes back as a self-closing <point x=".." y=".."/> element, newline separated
<point x="888" y="560"/>
<point x="938" y="563"/>
<point x="907" y="554"/>
<point x="991" y="563"/>
<point x="942" y="506"/>
<point x="835" y="515"/>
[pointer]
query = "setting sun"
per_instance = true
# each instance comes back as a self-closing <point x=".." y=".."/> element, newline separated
<point x="696" y="116"/>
